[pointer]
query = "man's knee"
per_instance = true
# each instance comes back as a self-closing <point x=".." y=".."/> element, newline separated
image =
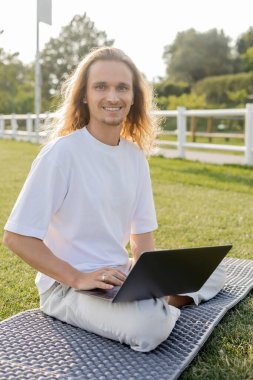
<point x="151" y="329"/>
<point x="211" y="287"/>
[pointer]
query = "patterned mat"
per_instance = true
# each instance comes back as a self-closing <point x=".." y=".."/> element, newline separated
<point x="35" y="346"/>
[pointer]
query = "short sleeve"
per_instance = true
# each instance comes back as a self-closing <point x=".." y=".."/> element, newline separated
<point x="144" y="219"/>
<point x="41" y="196"/>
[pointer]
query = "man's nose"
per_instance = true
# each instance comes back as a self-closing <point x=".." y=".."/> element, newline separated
<point x="112" y="95"/>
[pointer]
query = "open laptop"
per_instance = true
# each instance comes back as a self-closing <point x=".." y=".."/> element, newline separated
<point x="166" y="272"/>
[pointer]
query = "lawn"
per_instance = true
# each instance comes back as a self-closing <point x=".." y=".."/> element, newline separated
<point x="197" y="204"/>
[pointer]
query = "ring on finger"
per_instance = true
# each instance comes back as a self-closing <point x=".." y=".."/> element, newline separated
<point x="103" y="277"/>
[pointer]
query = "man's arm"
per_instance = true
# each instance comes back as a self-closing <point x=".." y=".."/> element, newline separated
<point x="35" y="253"/>
<point x="140" y="243"/>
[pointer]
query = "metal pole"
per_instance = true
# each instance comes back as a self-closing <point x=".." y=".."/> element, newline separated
<point x="37" y="83"/>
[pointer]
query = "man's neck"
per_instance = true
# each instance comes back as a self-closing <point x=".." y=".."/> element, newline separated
<point x="109" y="135"/>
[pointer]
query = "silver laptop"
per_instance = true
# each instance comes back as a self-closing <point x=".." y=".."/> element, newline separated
<point x="166" y="272"/>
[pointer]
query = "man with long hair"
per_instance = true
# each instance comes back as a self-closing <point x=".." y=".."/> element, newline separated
<point x="87" y="195"/>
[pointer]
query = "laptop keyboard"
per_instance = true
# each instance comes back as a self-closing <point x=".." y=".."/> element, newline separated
<point x="105" y="294"/>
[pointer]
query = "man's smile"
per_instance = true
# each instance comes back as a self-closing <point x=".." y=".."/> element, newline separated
<point x="112" y="109"/>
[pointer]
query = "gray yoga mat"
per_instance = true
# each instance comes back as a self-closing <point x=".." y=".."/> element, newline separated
<point x="35" y="346"/>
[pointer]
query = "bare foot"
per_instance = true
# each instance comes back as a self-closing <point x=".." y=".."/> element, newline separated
<point x="179" y="301"/>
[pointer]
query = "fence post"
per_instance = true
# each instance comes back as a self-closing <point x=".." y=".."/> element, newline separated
<point x="209" y="128"/>
<point x="249" y="134"/>
<point x="193" y="128"/>
<point x="29" y="127"/>
<point x="14" y="126"/>
<point x="1" y="125"/>
<point x="181" y="131"/>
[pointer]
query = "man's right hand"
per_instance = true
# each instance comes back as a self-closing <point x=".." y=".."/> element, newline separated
<point x="104" y="278"/>
<point x="34" y="252"/>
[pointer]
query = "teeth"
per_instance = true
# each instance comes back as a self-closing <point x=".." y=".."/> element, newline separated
<point x="112" y="109"/>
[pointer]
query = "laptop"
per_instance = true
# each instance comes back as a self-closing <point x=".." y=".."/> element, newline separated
<point x="166" y="272"/>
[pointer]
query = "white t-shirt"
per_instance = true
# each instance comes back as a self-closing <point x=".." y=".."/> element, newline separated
<point x="84" y="198"/>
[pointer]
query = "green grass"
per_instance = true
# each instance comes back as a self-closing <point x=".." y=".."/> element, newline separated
<point x="197" y="204"/>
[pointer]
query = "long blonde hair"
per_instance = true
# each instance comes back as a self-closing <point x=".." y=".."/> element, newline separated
<point x="140" y="125"/>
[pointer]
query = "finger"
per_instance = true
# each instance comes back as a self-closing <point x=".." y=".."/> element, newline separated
<point x="115" y="272"/>
<point x="114" y="277"/>
<point x="111" y="279"/>
<point x="104" y="285"/>
<point x="118" y="274"/>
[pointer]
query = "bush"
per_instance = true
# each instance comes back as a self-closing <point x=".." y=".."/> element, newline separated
<point x="226" y="91"/>
<point x="166" y="88"/>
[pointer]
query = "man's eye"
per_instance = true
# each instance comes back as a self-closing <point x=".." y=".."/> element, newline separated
<point x="123" y="88"/>
<point x="100" y="86"/>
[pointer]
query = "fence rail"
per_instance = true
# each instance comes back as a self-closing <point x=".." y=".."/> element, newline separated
<point x="14" y="127"/>
<point x="181" y="132"/>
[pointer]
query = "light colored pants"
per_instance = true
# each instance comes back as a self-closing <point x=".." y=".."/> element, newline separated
<point x="141" y="324"/>
<point x="211" y="287"/>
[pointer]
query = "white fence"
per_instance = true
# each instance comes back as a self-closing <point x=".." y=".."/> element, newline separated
<point x="181" y="144"/>
<point x="11" y="128"/>
<point x="22" y="127"/>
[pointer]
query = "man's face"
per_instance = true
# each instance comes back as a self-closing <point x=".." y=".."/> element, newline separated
<point x="109" y="93"/>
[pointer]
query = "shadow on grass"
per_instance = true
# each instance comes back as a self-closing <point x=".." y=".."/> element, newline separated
<point x="221" y="176"/>
<point x="227" y="177"/>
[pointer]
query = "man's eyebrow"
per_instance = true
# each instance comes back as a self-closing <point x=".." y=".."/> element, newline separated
<point x="124" y="84"/>
<point x="118" y="84"/>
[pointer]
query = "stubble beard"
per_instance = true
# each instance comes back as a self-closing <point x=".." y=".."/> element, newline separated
<point x="114" y="122"/>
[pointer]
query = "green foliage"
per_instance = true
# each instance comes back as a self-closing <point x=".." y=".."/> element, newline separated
<point x="247" y="59"/>
<point x="16" y="94"/>
<point x="194" y="55"/>
<point x="166" y="88"/>
<point x="226" y="91"/>
<point x="201" y="59"/>
<point x="62" y="54"/>
<point x="172" y="95"/>
<point x="162" y="102"/>
<point x="245" y="41"/>
<point x="237" y="96"/>
<point x="191" y="101"/>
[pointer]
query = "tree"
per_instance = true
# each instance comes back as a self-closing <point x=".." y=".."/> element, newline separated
<point x="245" y="41"/>
<point x="16" y="95"/>
<point x="61" y="55"/>
<point x="193" y="55"/>
<point x="228" y="91"/>
<point x="191" y="101"/>
<point x="167" y="88"/>
<point x="247" y="59"/>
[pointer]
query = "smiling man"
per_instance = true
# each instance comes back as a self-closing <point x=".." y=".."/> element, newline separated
<point x="109" y="97"/>
<point x="87" y="195"/>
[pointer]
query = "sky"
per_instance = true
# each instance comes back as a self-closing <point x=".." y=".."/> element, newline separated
<point x="139" y="27"/>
